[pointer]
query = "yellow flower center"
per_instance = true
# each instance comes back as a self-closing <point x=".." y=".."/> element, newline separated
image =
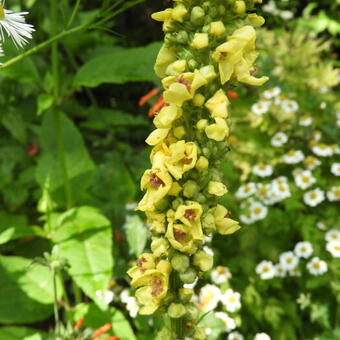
<point x="316" y="265"/>
<point x="313" y="195"/>
<point x="305" y="179"/>
<point x="2" y="13"/>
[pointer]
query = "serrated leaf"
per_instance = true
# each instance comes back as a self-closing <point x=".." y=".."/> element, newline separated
<point x="136" y="233"/>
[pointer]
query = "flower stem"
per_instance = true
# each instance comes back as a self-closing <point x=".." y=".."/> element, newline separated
<point x="177" y="325"/>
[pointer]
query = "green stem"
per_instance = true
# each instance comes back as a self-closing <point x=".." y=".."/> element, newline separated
<point x="177" y="325"/>
<point x="74" y="14"/>
<point x="55" y="303"/>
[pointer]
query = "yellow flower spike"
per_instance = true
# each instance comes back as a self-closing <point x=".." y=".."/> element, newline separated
<point x="217" y="188"/>
<point x="157" y="182"/>
<point x="165" y="57"/>
<point x="218" y="105"/>
<point x="166" y="116"/>
<point x="156" y="221"/>
<point x="157" y="136"/>
<point x="224" y="225"/>
<point x="200" y="40"/>
<point x="179" y="12"/>
<point x="242" y="70"/>
<point x="217" y="28"/>
<point x="145" y="262"/>
<point x="218" y="131"/>
<point x="182" y="157"/>
<point x="177" y="94"/>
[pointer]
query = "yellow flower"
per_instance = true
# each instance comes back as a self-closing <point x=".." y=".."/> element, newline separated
<point x="217" y="188"/>
<point x="157" y="182"/>
<point x="255" y="20"/>
<point x="218" y="105"/>
<point x="166" y="56"/>
<point x="154" y="285"/>
<point x="157" y="136"/>
<point x="182" y="157"/>
<point x="166" y="116"/>
<point x="236" y="56"/>
<point x="218" y="131"/>
<point x="224" y="225"/>
<point x="176" y="68"/>
<point x="145" y="262"/>
<point x="201" y="40"/>
<point x="179" y="12"/>
<point x="217" y="28"/>
<point x="156" y="221"/>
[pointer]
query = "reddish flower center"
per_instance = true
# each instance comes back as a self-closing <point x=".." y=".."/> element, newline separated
<point x="155" y="181"/>
<point x="157" y="286"/>
<point x="186" y="160"/>
<point x="180" y="235"/>
<point x="185" y="82"/>
<point x="189" y="215"/>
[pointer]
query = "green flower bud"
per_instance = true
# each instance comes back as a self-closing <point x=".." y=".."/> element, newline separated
<point x="189" y="276"/>
<point x="176" y="310"/>
<point x="180" y="262"/>
<point x="182" y="37"/>
<point x="199" y="333"/>
<point x="185" y="294"/>
<point x="197" y="15"/>
<point x="190" y="188"/>
<point x="159" y="246"/>
<point x="202" y="164"/>
<point x="206" y="152"/>
<point x="200" y="198"/>
<point x="177" y="202"/>
<point x="206" y="5"/>
<point x="201" y="125"/>
<point x="255" y="20"/>
<point x="203" y="261"/>
<point x="192" y="312"/>
<point x="192" y="63"/>
<point x="179" y="132"/>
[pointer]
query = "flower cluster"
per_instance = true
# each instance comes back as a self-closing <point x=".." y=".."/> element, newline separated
<point x="207" y="50"/>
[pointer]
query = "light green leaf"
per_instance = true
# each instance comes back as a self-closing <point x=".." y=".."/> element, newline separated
<point x="45" y="101"/>
<point x="136" y="232"/>
<point x="19" y="333"/>
<point x="15" y="125"/>
<point x="134" y="64"/>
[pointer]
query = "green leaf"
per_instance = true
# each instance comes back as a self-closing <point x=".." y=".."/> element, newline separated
<point x="45" y="101"/>
<point x="26" y="293"/>
<point x="15" y="125"/>
<point x="136" y="233"/>
<point x="19" y="333"/>
<point x="133" y="64"/>
<point x="78" y="164"/>
<point x="86" y="242"/>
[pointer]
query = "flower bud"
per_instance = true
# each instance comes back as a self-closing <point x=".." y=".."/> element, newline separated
<point x="197" y="15"/>
<point x="188" y="276"/>
<point x="177" y="202"/>
<point x="192" y="312"/>
<point x="199" y="333"/>
<point x="192" y="63"/>
<point x="202" y="164"/>
<point x="179" y="132"/>
<point x="201" y="40"/>
<point x="176" y="310"/>
<point x="159" y="246"/>
<point x="217" y="188"/>
<point x="185" y="294"/>
<point x="198" y="100"/>
<point x="180" y="262"/>
<point x="179" y="12"/>
<point x="203" y="261"/>
<point x="202" y="124"/>
<point x="217" y="28"/>
<point x="208" y="72"/>
<point x="256" y="20"/>
<point x="239" y="7"/>
<point x="176" y="68"/>
<point x="190" y="188"/>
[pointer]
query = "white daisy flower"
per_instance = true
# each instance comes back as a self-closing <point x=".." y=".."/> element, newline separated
<point x="271" y="93"/>
<point x="316" y="135"/>
<point x="263" y="170"/>
<point x="289" y="106"/>
<point x="279" y="270"/>
<point x="280" y="190"/>
<point x="247" y="218"/>
<point x="227" y="320"/>
<point x="220" y="275"/>
<point x="261" y="336"/>
<point x="314" y="197"/>
<point x="231" y="300"/>
<point x="266" y="270"/>
<point x="258" y="211"/>
<point x="311" y="162"/>
<point x="280" y="98"/>
<point x="304" y="179"/>
<point x="322" y="150"/>
<point x="334" y="248"/>
<point x="303" y="249"/>
<point x="332" y="235"/>
<point x="288" y="260"/>
<point x="333" y="194"/>
<point x="320" y="225"/>
<point x="132" y="306"/>
<point x="293" y="157"/>
<point x="246" y="190"/>
<point x="279" y="139"/>
<point x="15" y="26"/>
<point x="317" y="266"/>
<point x="260" y="108"/>
<point x="295" y="271"/>
<point x="263" y="190"/>
<point x="305" y="120"/>
<point x="209" y="297"/>
<point x="335" y="169"/>
<point x="235" y="336"/>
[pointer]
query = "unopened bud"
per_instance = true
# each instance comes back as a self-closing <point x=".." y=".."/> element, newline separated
<point x="179" y="12"/>
<point x="199" y="334"/>
<point x="202" y="164"/>
<point x="217" y="188"/>
<point x="197" y="15"/>
<point x="202" y="124"/>
<point x="198" y="100"/>
<point x="180" y="262"/>
<point x="189" y="276"/>
<point x="176" y="310"/>
<point x="159" y="246"/>
<point x="182" y="37"/>
<point x="185" y="294"/>
<point x="201" y="40"/>
<point x="190" y="188"/>
<point x="203" y="261"/>
<point x="217" y="28"/>
<point x="239" y="7"/>
<point x="192" y="312"/>
<point x="256" y="20"/>
<point x="179" y="132"/>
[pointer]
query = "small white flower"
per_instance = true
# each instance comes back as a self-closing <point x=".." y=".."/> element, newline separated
<point x="279" y="139"/>
<point x="305" y="120"/>
<point x="132" y="306"/>
<point x="260" y="108"/>
<point x="280" y="191"/>
<point x="231" y="300"/>
<point x="235" y="336"/>
<point x="261" y="336"/>
<point x="258" y="211"/>
<point x="279" y="270"/>
<point x="335" y="169"/>
<point x="247" y="218"/>
<point x="106" y="296"/>
<point x="293" y="157"/>
<point x="322" y="150"/>
<point x="332" y="235"/>
<point x="316" y="135"/>
<point x="323" y="105"/>
<point x="227" y="320"/>
<point x="270" y="7"/>
<point x="320" y="225"/>
<point x="131" y="205"/>
<point x="304" y="179"/>
<point x="266" y="270"/>
<point x="271" y="93"/>
<point x="286" y="15"/>
<point x="208" y="250"/>
<point x="209" y="297"/>
<point x="280" y="98"/>
<point x="303" y="249"/>
<point x="288" y="260"/>
<point x="15" y="26"/>
<point x="246" y="190"/>
<point x="263" y="170"/>
<point x="289" y="106"/>
<point x="208" y="331"/>
<point x="314" y="197"/>
<point x="317" y="266"/>
<point x="334" y="248"/>
<point x="191" y="285"/>
<point x="124" y="295"/>
<point x="333" y="194"/>
<point x="220" y="275"/>
<point x="311" y="162"/>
